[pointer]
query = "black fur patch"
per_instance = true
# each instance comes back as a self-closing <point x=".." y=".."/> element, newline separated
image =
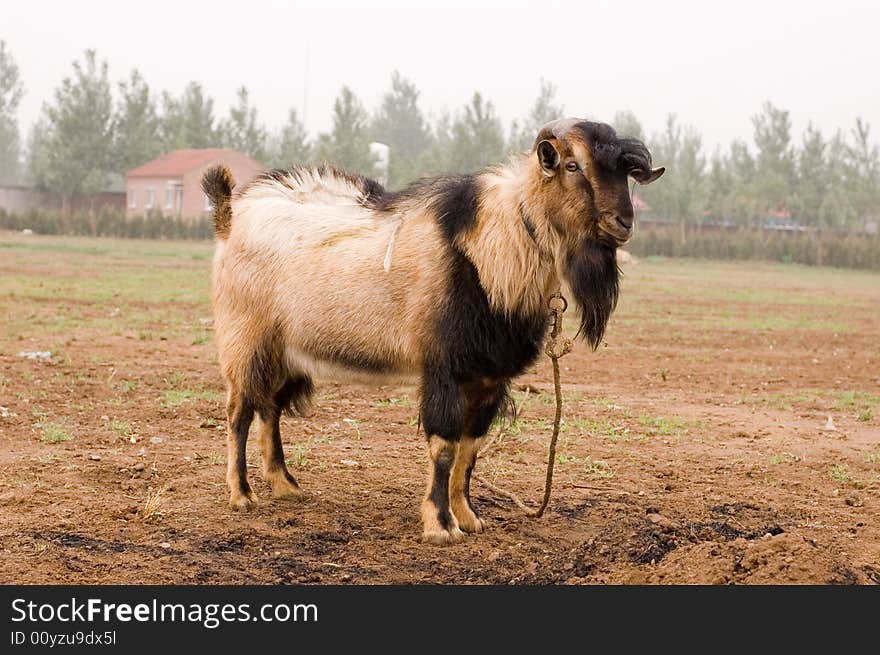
<point x="263" y="376"/>
<point x="483" y="408"/>
<point x="473" y="341"/>
<point x="439" y="495"/>
<point x="594" y="279"/>
<point x="613" y="153"/>
<point x="296" y="394"/>
<point x="240" y="426"/>
<point x="527" y="223"/>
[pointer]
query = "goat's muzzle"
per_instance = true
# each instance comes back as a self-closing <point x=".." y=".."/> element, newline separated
<point x="618" y="227"/>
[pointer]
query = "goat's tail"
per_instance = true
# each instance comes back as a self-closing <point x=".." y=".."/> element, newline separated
<point x="217" y="183"/>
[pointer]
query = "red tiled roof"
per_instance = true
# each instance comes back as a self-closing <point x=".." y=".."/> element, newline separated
<point x="178" y="162"/>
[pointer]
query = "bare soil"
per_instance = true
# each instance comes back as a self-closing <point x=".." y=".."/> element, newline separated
<point x="697" y="446"/>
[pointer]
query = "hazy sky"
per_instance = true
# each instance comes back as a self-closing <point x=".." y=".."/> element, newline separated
<point x="711" y="64"/>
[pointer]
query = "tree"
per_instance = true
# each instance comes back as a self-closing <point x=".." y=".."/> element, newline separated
<point x="241" y="129"/>
<point x="477" y="137"/>
<point x="682" y="195"/>
<point x="838" y="208"/>
<point x="863" y="171"/>
<point x="293" y="146"/>
<point x="627" y="125"/>
<point x="741" y="200"/>
<point x="436" y="159"/>
<point x="544" y="110"/>
<point x="775" y="166"/>
<point x="401" y="125"/>
<point x="75" y="137"/>
<point x="188" y="122"/>
<point x="11" y="91"/>
<point x="348" y="143"/>
<point x="812" y="179"/>
<point x="136" y="126"/>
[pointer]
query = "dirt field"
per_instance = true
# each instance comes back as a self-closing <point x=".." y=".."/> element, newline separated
<point x="697" y="446"/>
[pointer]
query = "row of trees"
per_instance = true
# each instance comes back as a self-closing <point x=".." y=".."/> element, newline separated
<point x="822" y="182"/>
<point x="87" y="132"/>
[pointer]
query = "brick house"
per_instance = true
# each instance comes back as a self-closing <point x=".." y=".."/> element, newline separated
<point x="171" y="184"/>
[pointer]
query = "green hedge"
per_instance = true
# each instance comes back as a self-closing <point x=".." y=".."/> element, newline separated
<point x="845" y="250"/>
<point x="109" y="223"/>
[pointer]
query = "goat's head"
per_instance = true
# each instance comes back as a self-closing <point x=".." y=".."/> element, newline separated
<point x="586" y="169"/>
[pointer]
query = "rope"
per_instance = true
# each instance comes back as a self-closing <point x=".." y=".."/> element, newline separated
<point x="557" y="346"/>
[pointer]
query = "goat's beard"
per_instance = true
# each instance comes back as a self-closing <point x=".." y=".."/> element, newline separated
<point x="594" y="279"/>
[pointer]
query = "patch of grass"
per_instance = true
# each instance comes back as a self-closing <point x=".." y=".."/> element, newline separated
<point x="176" y="397"/>
<point x="121" y="428"/>
<point x="840" y="473"/>
<point x="780" y="458"/>
<point x="128" y="386"/>
<point x="406" y="401"/>
<point x="299" y="454"/>
<point x="213" y="458"/>
<point x="662" y="426"/>
<point x="175" y="380"/>
<point x="598" y="468"/>
<point x="861" y="403"/>
<point x="54" y="433"/>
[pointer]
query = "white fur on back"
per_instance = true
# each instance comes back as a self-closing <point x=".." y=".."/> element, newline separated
<point x="299" y="211"/>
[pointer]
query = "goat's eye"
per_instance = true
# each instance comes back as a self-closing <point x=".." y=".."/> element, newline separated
<point x="572" y="166"/>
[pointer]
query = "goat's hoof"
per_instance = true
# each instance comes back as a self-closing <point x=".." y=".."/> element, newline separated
<point x="442" y="537"/>
<point x="287" y="491"/>
<point x="473" y="525"/>
<point x="243" y="502"/>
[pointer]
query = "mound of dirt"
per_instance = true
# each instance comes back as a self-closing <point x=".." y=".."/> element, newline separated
<point x="785" y="558"/>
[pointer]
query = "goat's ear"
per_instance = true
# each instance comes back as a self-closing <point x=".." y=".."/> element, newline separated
<point x="647" y="178"/>
<point x="548" y="157"/>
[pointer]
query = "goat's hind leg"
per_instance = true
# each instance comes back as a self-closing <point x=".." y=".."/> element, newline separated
<point x="239" y="415"/>
<point x="284" y="485"/>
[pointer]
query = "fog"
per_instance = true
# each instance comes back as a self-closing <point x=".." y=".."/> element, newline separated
<point x="711" y="66"/>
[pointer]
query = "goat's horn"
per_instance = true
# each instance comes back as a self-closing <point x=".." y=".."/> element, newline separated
<point x="557" y="129"/>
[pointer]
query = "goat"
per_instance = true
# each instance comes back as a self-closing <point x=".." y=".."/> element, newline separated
<point x="319" y="272"/>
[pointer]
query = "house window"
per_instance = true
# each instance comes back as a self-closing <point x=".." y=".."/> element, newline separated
<point x="149" y="203"/>
<point x="208" y="205"/>
<point x="169" y="197"/>
<point x="132" y="198"/>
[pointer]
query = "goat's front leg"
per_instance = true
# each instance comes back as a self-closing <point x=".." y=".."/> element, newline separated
<point x="460" y="485"/>
<point x="483" y="400"/>
<point x="440" y="524"/>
